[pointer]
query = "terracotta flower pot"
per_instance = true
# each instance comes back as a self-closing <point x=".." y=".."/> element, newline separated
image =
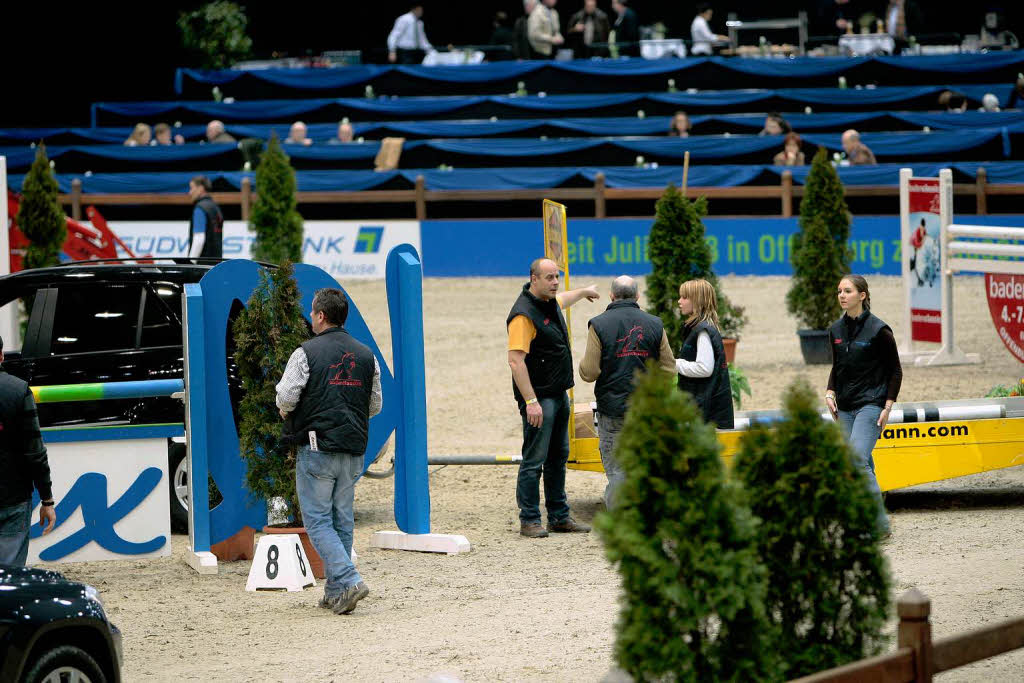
<point x="730" y="348"/>
<point x="241" y="546"/>
<point x="316" y="564"/>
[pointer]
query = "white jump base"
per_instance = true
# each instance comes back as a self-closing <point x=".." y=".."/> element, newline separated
<point x="451" y="544"/>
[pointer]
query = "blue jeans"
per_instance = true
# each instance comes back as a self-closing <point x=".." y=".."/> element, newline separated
<point x="861" y="431"/>
<point x="545" y="452"/>
<point x="608" y="429"/>
<point x="14" y="523"/>
<point x="325" y="484"/>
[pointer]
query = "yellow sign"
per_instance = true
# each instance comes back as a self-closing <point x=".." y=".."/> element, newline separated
<point x="555" y="235"/>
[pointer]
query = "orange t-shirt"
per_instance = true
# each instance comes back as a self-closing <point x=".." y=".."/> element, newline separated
<point x="520" y="333"/>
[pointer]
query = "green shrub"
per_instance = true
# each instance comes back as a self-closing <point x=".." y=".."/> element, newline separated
<point x="678" y="251"/>
<point x="821" y="253"/>
<point x="738" y="385"/>
<point x="693" y="587"/>
<point x="828" y="587"/>
<point x="40" y="216"/>
<point x="215" y="34"/>
<point x="266" y="333"/>
<point x="275" y="220"/>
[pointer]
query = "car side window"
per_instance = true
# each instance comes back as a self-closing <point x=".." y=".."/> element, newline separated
<point x="90" y="318"/>
<point x="160" y="325"/>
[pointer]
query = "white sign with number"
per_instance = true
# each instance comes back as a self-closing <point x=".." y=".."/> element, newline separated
<point x="280" y="563"/>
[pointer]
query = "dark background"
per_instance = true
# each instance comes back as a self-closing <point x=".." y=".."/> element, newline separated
<point x="60" y="58"/>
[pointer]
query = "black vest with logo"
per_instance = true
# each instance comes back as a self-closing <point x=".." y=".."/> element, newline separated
<point x="629" y="337"/>
<point x="549" y="361"/>
<point x="714" y="393"/>
<point x="16" y="484"/>
<point x="858" y="372"/>
<point x="336" y="400"/>
<point x="212" y="246"/>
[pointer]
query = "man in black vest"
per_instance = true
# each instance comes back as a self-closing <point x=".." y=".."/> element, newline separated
<point x="24" y="466"/>
<point x="541" y="362"/>
<point x="329" y="392"/>
<point x="620" y="341"/>
<point x="206" y="228"/>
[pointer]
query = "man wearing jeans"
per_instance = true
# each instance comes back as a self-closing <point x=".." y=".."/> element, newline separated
<point x="541" y="362"/>
<point x="329" y="391"/>
<point x="620" y="341"/>
<point x="24" y="466"/>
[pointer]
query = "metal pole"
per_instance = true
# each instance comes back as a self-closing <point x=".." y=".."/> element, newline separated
<point x="474" y="459"/>
<point x="9" y="313"/>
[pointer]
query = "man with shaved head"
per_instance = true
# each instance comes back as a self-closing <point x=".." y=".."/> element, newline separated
<point x="621" y="340"/>
<point x="856" y="151"/>
<point x="541" y="362"/>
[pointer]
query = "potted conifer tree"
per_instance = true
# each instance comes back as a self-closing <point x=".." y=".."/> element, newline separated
<point x="40" y="216"/>
<point x="820" y="256"/>
<point x="678" y="250"/>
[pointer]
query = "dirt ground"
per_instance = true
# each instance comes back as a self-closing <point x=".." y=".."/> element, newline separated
<point x="544" y="610"/>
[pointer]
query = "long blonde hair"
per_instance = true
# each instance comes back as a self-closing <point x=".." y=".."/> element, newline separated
<point x="702" y="295"/>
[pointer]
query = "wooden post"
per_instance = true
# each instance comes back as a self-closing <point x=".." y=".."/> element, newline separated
<point x="421" y="198"/>
<point x="915" y="632"/>
<point x="599" y="206"/>
<point x="76" y="199"/>
<point x="979" y="191"/>
<point x="246" y="198"/>
<point x="686" y="169"/>
<point x="787" y="194"/>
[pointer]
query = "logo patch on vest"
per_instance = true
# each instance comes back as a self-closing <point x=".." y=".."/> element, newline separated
<point x="631" y="342"/>
<point x="547" y="321"/>
<point x="344" y="375"/>
<point x="837" y="341"/>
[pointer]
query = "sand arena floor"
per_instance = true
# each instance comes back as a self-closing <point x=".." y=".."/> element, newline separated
<point x="543" y="610"/>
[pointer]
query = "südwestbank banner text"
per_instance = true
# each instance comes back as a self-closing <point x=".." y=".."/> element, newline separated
<point x="505" y="247"/>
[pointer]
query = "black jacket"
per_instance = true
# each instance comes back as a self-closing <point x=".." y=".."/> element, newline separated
<point x="627" y="33"/>
<point x="23" y="462"/>
<point x="212" y="246"/>
<point x="629" y="338"/>
<point x="549" y="361"/>
<point x="336" y="400"/>
<point x="713" y="394"/>
<point x="859" y="373"/>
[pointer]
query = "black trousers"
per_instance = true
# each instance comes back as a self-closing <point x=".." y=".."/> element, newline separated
<point x="409" y="56"/>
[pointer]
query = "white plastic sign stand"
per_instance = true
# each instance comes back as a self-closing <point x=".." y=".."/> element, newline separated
<point x="280" y="563"/>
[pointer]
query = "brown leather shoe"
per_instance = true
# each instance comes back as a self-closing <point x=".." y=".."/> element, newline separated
<point x="532" y="530"/>
<point x="569" y="526"/>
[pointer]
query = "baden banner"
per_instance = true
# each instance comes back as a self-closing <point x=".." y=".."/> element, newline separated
<point x="345" y="249"/>
<point x="1005" y="294"/>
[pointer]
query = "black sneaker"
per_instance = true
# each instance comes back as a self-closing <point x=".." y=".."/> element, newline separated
<point x="327" y="601"/>
<point x="346" y="602"/>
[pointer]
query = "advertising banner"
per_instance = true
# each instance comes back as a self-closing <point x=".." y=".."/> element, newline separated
<point x="922" y="262"/>
<point x="345" y="249"/>
<point x="1005" y="294"/>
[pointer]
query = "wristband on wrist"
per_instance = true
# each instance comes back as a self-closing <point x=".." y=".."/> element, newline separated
<point x="532" y="400"/>
<point x="831" y="395"/>
<point x="46" y="503"/>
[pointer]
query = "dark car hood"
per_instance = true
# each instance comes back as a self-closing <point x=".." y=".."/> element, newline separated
<point x="19" y="576"/>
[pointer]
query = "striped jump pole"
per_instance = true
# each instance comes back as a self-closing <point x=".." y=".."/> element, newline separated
<point x="94" y="391"/>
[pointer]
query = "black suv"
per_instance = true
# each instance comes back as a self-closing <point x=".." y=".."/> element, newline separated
<point x="52" y="629"/>
<point x="107" y="321"/>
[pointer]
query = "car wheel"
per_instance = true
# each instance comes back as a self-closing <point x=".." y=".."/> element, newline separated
<point x="65" y="664"/>
<point x="177" y="488"/>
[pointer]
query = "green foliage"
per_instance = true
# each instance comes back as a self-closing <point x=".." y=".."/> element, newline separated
<point x="215" y="34"/>
<point x="828" y="587"/>
<point x="739" y="385"/>
<point x="821" y="253"/>
<point x="275" y="220"/>
<point x="678" y="252"/>
<point x="1003" y="391"/>
<point x="266" y="333"/>
<point x="693" y="586"/>
<point x="40" y="216"/>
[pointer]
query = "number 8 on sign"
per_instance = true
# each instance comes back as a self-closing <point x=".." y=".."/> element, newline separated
<point x="272" y="555"/>
<point x="302" y="563"/>
<point x="275" y="567"/>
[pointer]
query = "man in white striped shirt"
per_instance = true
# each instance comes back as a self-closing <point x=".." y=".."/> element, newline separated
<point x="407" y="42"/>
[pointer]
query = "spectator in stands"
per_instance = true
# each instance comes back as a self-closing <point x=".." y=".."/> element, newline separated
<point x="141" y="136"/>
<point x="627" y="30"/>
<point x="989" y="102"/>
<point x="587" y="27"/>
<point x="952" y="101"/>
<point x="791" y="154"/>
<point x="502" y="36"/>
<point x="856" y="151"/>
<point x="774" y="124"/>
<point x="544" y="30"/>
<point x="215" y="132"/>
<point x="701" y="34"/>
<point x="833" y="17"/>
<point x="407" y="42"/>
<point x="162" y="134"/>
<point x="680" y="126"/>
<point x="297" y="135"/>
<point x="345" y="134"/>
<point x="521" y="29"/>
<point x="1017" y="94"/>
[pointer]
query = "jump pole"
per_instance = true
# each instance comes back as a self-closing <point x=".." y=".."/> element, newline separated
<point x="686" y="169"/>
<point x="8" y="314"/>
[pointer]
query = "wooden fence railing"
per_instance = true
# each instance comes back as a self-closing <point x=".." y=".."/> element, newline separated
<point x="600" y="194"/>
<point x="916" y="658"/>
